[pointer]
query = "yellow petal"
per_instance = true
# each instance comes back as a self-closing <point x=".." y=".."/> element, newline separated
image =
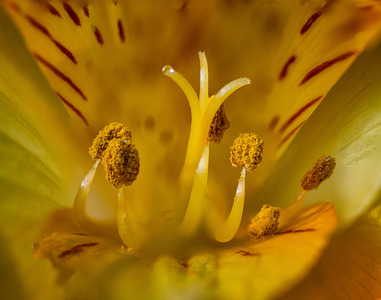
<point x="347" y="126"/>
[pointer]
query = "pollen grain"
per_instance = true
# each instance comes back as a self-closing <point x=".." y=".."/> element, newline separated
<point x="107" y="134"/>
<point x="321" y="170"/>
<point x="265" y="222"/>
<point x="219" y="125"/>
<point x="121" y="161"/>
<point x="247" y="151"/>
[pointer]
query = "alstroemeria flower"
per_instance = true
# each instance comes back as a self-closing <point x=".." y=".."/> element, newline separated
<point x="183" y="229"/>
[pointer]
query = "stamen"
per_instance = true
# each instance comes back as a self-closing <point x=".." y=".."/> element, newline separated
<point x="121" y="161"/>
<point x="321" y="170"/>
<point x="265" y="222"/>
<point x="112" y="146"/>
<point x="110" y="132"/>
<point x="247" y="151"/>
<point x="226" y="231"/>
<point x="219" y="125"/>
<point x="80" y="200"/>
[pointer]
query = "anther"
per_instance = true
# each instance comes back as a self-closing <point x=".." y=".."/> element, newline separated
<point x="121" y="161"/>
<point x="247" y="151"/>
<point x="220" y="124"/>
<point x="265" y="222"/>
<point x="102" y="140"/>
<point x="321" y="170"/>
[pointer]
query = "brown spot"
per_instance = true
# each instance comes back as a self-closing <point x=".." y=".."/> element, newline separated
<point x="315" y="71"/>
<point x="367" y="7"/>
<point x="149" y="123"/>
<point x="284" y="70"/>
<point x="86" y="11"/>
<point x="273" y="123"/>
<point x="74" y="109"/>
<point x="288" y="136"/>
<point x="296" y="231"/>
<point x="246" y="253"/>
<point x="121" y="31"/>
<point x="184" y="6"/>
<point x="60" y="75"/>
<point x="46" y="32"/>
<point x="76" y="249"/>
<point x="298" y="113"/>
<point x="14" y="7"/>
<point x="98" y="35"/>
<point x="72" y="14"/>
<point x="53" y="11"/>
<point x="310" y="21"/>
<point x="166" y="137"/>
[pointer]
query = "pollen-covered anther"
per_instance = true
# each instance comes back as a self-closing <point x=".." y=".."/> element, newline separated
<point x="121" y="161"/>
<point x="102" y="140"/>
<point x="321" y="170"/>
<point x="220" y="124"/>
<point x="247" y="151"/>
<point x="265" y="222"/>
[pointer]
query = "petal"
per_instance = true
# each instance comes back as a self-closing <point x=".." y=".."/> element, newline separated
<point x="346" y="126"/>
<point x="269" y="266"/>
<point x="34" y="170"/>
<point x="350" y="268"/>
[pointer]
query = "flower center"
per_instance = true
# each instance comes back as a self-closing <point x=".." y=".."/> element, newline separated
<point x="194" y="216"/>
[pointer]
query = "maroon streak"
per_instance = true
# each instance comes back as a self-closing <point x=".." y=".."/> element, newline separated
<point x="298" y="113"/>
<point x="98" y="35"/>
<point x="273" y="123"/>
<point x="121" y="31"/>
<point x="60" y="75"/>
<point x="72" y="14"/>
<point x="288" y="136"/>
<point x="284" y="70"/>
<point x="46" y="32"/>
<point x="315" y="71"/>
<point x="53" y="11"/>
<point x="309" y="22"/>
<point x="76" y="249"/>
<point x="296" y="231"/>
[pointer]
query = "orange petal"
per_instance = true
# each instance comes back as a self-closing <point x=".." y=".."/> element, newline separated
<point x="269" y="266"/>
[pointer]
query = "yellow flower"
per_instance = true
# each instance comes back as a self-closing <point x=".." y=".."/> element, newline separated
<point x="178" y="231"/>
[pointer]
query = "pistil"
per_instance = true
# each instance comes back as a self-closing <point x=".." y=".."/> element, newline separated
<point x="203" y="110"/>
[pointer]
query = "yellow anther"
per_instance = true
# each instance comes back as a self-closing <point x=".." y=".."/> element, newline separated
<point x="265" y="222"/>
<point x="110" y="132"/>
<point x="219" y="124"/>
<point x="321" y="170"/>
<point x="247" y="151"/>
<point x="121" y="161"/>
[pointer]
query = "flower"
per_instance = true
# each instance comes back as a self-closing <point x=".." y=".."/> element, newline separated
<point x="103" y="62"/>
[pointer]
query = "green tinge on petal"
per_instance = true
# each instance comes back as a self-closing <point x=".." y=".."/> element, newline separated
<point x="346" y="126"/>
<point x="32" y="175"/>
<point x="32" y="120"/>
